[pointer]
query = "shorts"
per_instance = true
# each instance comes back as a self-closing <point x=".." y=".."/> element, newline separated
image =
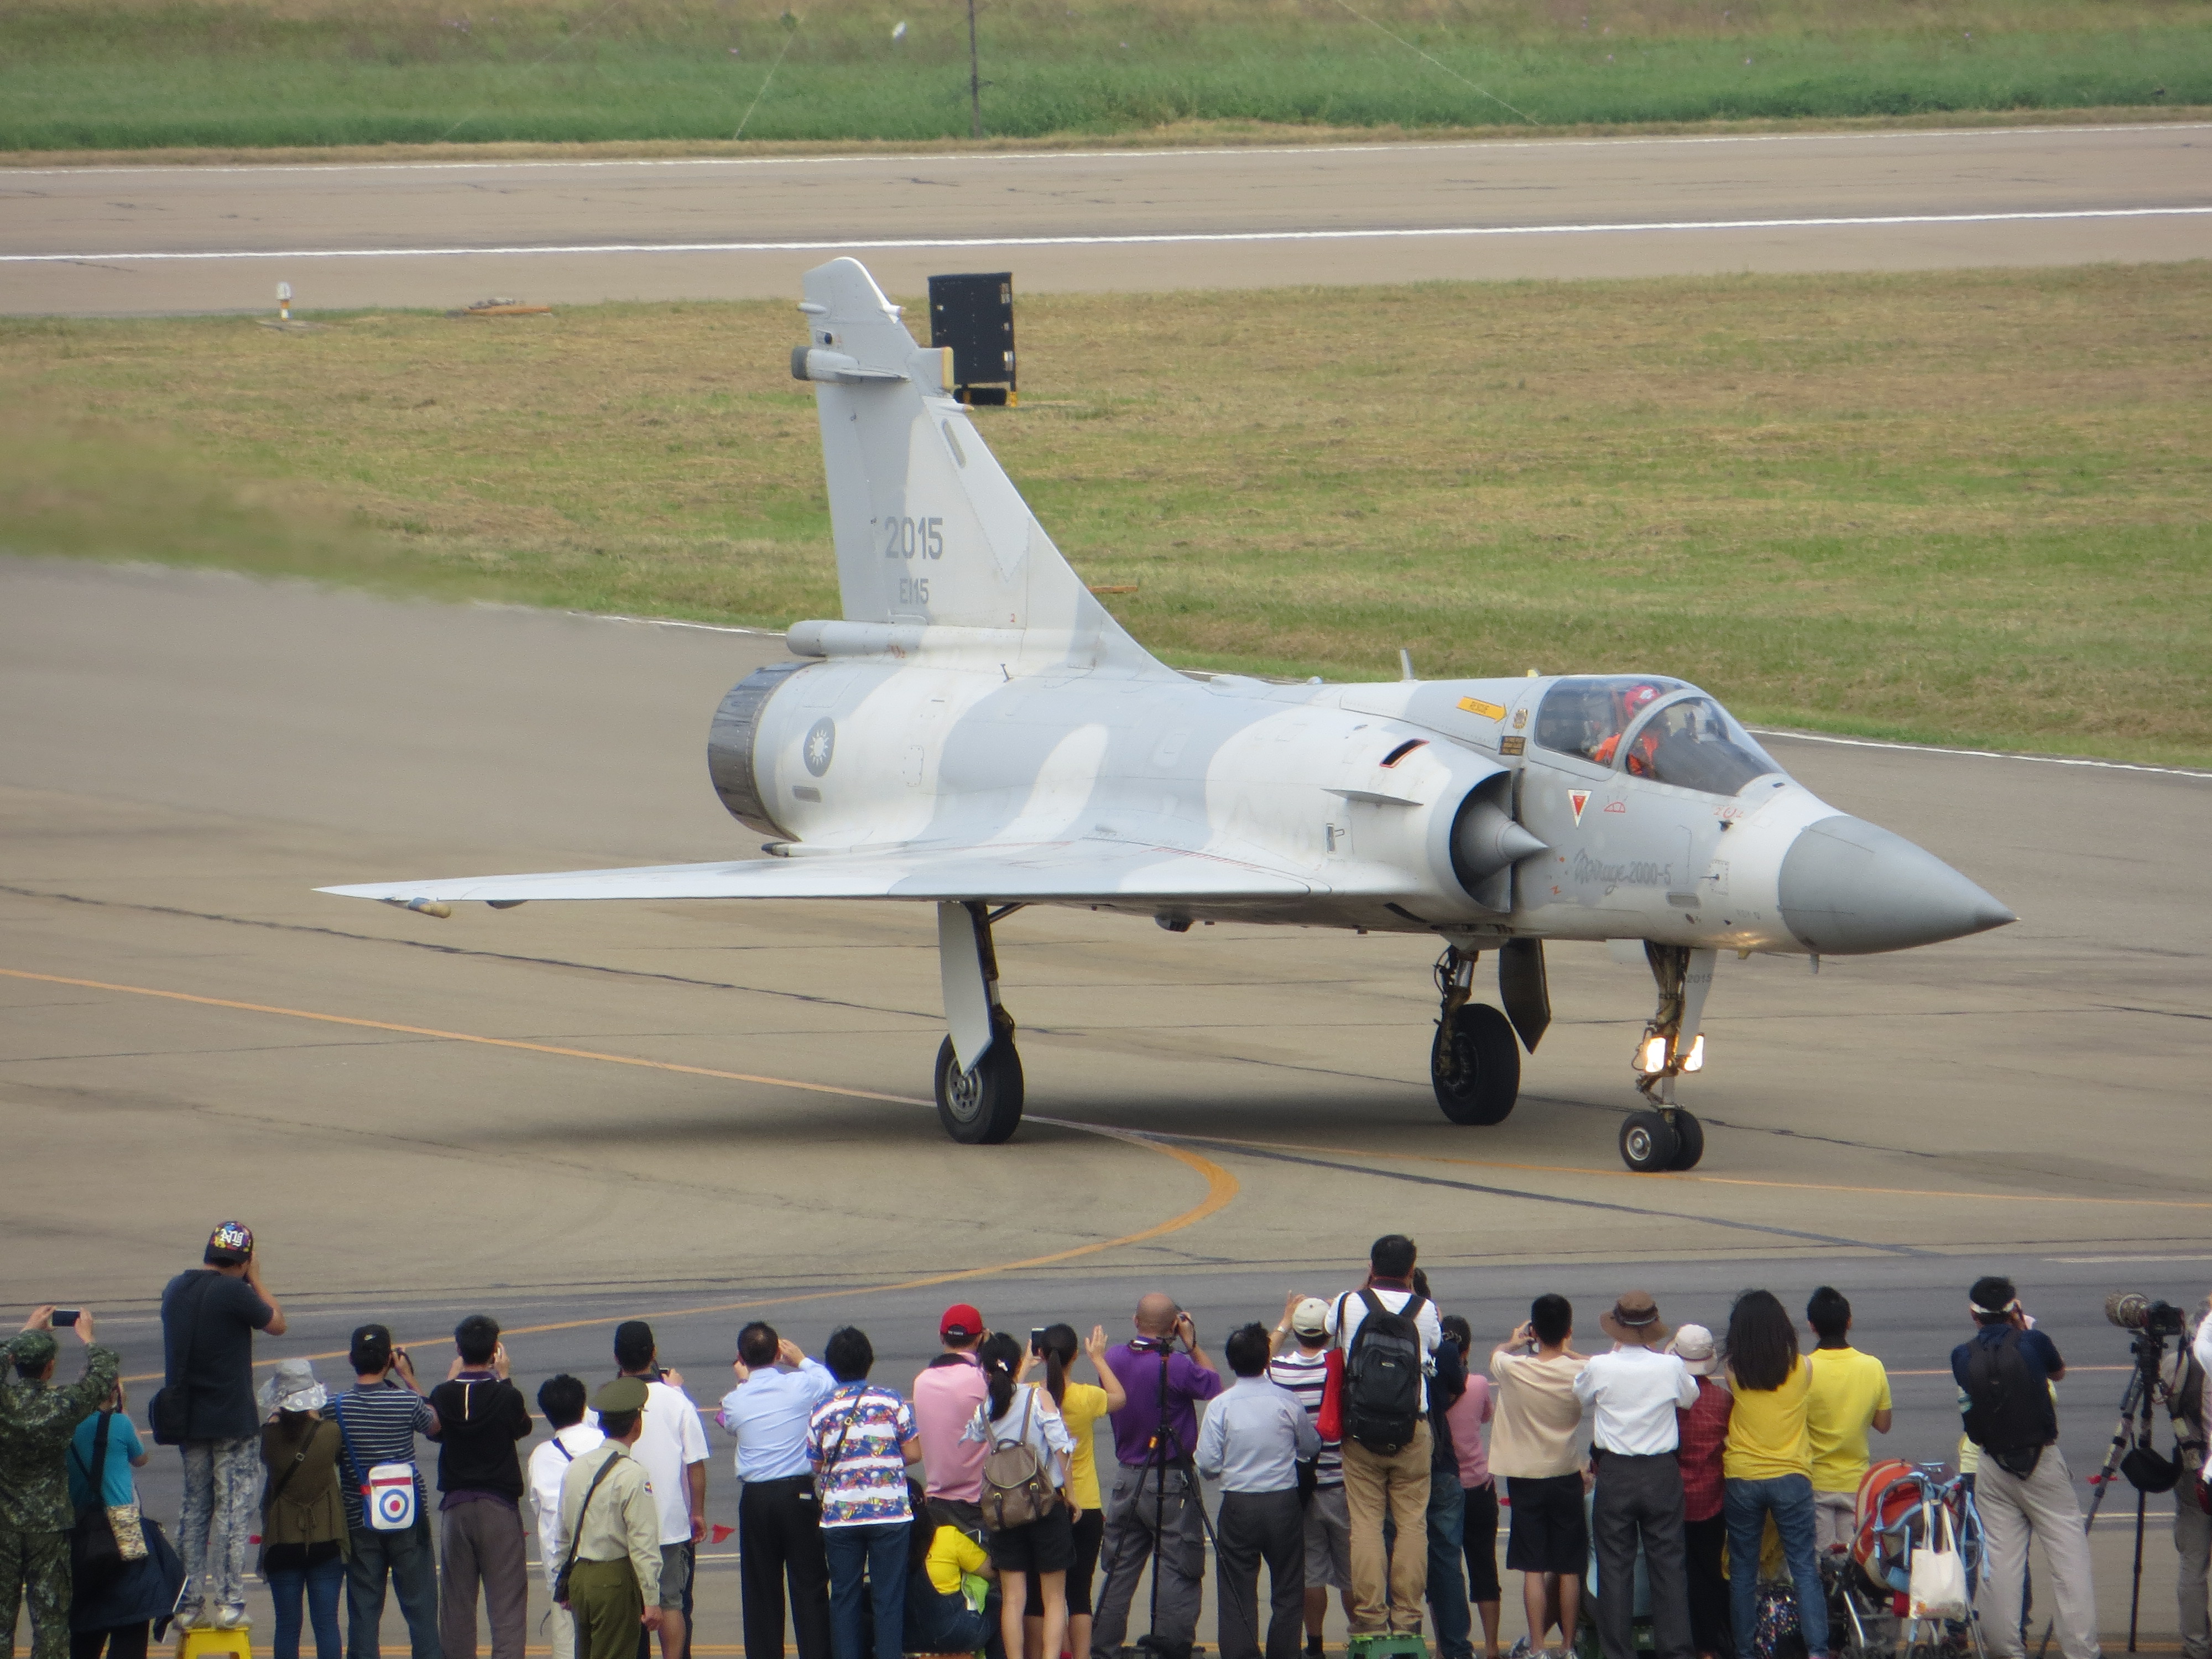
<point x="674" y="1575"/>
<point x="1550" y="1530"/>
<point x="1089" y="1533"/>
<point x="1328" y="1538"/>
<point x="1046" y="1545"/>
<point x="1479" y="1538"/>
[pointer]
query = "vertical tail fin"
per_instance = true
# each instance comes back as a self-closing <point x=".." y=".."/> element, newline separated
<point x="929" y="529"/>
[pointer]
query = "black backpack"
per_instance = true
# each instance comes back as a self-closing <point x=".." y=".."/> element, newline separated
<point x="2008" y="1412"/>
<point x="1382" y="1377"/>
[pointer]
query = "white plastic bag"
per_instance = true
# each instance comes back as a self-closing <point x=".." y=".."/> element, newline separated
<point x="1939" y="1575"/>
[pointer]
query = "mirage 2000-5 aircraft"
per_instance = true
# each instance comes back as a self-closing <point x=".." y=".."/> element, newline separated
<point x="978" y="733"/>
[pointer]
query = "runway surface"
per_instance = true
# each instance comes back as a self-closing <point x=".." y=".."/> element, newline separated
<point x="174" y="239"/>
<point x="567" y="1115"/>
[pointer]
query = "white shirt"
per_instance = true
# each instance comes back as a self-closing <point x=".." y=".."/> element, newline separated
<point x="1636" y="1390"/>
<point x="548" y="1461"/>
<point x="672" y="1439"/>
<point x="1351" y="1309"/>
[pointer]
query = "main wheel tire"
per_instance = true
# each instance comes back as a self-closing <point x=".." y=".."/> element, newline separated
<point x="1475" y="1064"/>
<point x="1689" y="1141"/>
<point x="984" y="1107"/>
<point x="1647" y="1142"/>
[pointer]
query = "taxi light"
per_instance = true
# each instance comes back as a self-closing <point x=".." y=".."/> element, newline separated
<point x="1694" y="1060"/>
<point x="1651" y="1058"/>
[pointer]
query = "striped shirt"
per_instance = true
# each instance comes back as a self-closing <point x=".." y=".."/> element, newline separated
<point x="380" y="1422"/>
<point x="855" y="1440"/>
<point x="1306" y="1375"/>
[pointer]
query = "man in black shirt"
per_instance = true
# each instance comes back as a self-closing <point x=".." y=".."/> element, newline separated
<point x="206" y="1408"/>
<point x="481" y="1416"/>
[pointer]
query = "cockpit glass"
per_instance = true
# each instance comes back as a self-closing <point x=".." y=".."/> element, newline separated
<point x="1694" y="745"/>
<point x="1585" y="716"/>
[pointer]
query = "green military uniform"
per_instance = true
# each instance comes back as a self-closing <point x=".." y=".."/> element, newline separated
<point x="614" y="1526"/>
<point x="36" y="1421"/>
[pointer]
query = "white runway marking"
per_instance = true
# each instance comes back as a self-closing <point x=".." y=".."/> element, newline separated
<point x="1982" y="754"/>
<point x="942" y="157"/>
<point x="880" y="244"/>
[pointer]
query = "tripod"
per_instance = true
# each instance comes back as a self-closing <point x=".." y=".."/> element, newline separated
<point x="2139" y="1402"/>
<point x="1167" y="1453"/>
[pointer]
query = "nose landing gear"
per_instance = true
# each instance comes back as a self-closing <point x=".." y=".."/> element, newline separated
<point x="1666" y="1136"/>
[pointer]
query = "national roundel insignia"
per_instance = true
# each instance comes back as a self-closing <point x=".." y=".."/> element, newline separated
<point x="821" y="745"/>
<point x="1578" y="799"/>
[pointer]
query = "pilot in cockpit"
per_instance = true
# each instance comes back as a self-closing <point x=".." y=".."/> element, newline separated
<point x="1629" y="701"/>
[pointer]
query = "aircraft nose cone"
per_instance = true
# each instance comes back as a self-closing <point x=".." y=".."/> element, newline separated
<point x="1848" y="887"/>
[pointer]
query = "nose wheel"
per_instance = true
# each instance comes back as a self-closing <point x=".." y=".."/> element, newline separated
<point x="1651" y="1142"/>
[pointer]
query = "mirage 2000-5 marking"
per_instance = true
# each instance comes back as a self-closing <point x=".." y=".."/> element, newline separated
<point x="978" y="733"/>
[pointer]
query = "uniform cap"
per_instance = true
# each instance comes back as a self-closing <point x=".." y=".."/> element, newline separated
<point x="624" y="1393"/>
<point x="229" y="1243"/>
<point x="1310" y="1318"/>
<point x="34" y="1349"/>
<point x="961" y="1322"/>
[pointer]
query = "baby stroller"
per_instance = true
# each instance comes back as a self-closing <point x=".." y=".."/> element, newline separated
<point x="1901" y="1506"/>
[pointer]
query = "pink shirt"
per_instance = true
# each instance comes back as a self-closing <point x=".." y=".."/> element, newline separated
<point x="945" y="1396"/>
<point x="1467" y="1415"/>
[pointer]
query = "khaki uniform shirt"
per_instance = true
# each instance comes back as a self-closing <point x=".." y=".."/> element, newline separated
<point x="625" y="1520"/>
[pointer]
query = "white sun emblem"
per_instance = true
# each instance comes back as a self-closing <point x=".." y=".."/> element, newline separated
<point x="821" y="744"/>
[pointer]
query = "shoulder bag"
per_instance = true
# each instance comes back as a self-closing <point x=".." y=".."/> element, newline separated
<point x="560" y="1583"/>
<point x="94" y="1554"/>
<point x="387" y="1490"/>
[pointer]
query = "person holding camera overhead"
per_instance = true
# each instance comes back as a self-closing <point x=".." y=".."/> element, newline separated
<point x="1153" y="1504"/>
<point x="378" y="1419"/>
<point x="1018" y="1415"/>
<point x="2022" y="1487"/>
<point x="37" y="1420"/>
<point x="1081" y="1405"/>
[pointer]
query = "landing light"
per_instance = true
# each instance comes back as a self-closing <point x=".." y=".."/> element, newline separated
<point x="1695" y="1060"/>
<point x="1651" y="1058"/>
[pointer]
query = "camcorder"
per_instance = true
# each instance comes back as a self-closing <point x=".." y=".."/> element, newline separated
<point x="2131" y="1310"/>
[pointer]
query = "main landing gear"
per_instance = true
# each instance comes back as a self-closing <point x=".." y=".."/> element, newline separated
<point x="979" y="1072"/>
<point x="1474" y="1063"/>
<point x="1665" y="1136"/>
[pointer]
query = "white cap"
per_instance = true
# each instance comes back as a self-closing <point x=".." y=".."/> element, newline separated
<point x="1310" y="1318"/>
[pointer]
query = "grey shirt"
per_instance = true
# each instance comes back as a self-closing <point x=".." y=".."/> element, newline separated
<point x="1253" y="1435"/>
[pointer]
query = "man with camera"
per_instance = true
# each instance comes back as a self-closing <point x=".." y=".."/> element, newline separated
<point x="2023" y="1489"/>
<point x="36" y="1421"/>
<point x="1154" y="1504"/>
<point x="2192" y="1514"/>
<point x="206" y="1408"/>
<point x="378" y="1419"/>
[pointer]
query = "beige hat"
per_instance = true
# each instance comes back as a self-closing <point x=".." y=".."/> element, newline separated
<point x="1633" y="1318"/>
<point x="1310" y="1318"/>
<point x="1693" y="1347"/>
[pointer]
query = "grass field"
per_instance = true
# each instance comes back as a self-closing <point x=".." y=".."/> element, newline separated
<point x="123" y="74"/>
<point x="1963" y="506"/>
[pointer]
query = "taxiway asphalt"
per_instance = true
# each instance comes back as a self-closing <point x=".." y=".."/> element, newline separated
<point x="570" y="1115"/>
<point x="162" y="238"/>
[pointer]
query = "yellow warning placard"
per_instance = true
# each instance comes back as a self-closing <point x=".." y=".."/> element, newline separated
<point x="1489" y="711"/>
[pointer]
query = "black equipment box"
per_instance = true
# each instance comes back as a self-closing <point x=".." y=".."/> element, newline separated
<point x="974" y="313"/>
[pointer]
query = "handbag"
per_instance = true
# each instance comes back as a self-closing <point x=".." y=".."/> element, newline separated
<point x="560" y="1582"/>
<point x="1939" y="1576"/>
<point x="1330" y="1422"/>
<point x="95" y="1555"/>
<point x="1017" y="1488"/>
<point x="169" y="1411"/>
<point x="387" y="1490"/>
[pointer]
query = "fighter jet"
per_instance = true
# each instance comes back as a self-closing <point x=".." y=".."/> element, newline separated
<point x="977" y="732"/>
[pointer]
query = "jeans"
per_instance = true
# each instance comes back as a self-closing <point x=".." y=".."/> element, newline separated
<point x="319" y="1584"/>
<point x="1789" y="1497"/>
<point x="1447" y="1586"/>
<point x="876" y="1548"/>
<point x="222" y="1511"/>
<point x="408" y="1559"/>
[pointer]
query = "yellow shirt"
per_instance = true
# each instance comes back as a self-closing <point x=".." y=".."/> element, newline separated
<point x="1084" y="1404"/>
<point x="952" y="1552"/>
<point x="1847" y="1389"/>
<point x="1767" y="1438"/>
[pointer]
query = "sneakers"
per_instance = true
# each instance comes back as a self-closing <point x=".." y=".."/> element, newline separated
<point x="1520" y="1649"/>
<point x="230" y="1615"/>
<point x="189" y="1615"/>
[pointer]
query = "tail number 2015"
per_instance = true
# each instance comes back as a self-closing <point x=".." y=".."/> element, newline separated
<point x="904" y="538"/>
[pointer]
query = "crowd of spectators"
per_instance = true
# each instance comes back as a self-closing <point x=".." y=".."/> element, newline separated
<point x="1364" y="1444"/>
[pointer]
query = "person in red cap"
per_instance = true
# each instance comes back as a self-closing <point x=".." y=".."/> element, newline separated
<point x="207" y="1409"/>
<point x="946" y="1394"/>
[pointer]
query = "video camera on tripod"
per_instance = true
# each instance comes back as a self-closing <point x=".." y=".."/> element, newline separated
<point x="2131" y="1310"/>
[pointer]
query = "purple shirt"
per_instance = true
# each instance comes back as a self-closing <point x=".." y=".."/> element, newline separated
<point x="1135" y="1424"/>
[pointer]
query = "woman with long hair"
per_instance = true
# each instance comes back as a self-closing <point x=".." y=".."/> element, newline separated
<point x="1081" y="1405"/>
<point x="1019" y="1413"/>
<point x="1769" y="1465"/>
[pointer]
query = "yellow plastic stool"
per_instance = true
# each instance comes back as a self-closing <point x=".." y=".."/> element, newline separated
<point x="234" y="1644"/>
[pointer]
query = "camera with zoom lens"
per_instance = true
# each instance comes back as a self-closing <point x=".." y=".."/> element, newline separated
<point x="2131" y="1310"/>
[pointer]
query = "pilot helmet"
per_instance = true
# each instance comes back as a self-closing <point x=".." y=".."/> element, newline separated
<point x="1639" y="697"/>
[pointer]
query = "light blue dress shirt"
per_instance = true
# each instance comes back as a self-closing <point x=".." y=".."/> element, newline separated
<point x="1253" y="1435"/>
<point x="768" y="1413"/>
